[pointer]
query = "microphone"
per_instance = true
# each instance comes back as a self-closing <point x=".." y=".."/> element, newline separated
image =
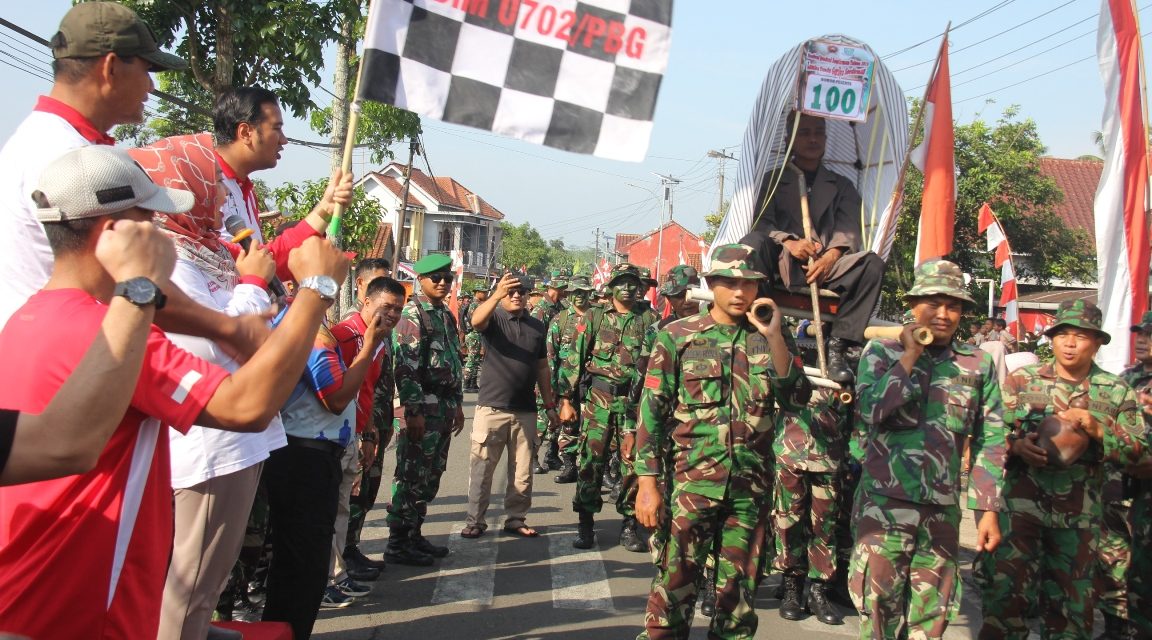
<point x="243" y="237"/>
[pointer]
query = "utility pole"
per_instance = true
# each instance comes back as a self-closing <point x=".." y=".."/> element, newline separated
<point x="721" y="156"/>
<point x="596" y="253"/>
<point x="413" y="149"/>
<point x="667" y="182"/>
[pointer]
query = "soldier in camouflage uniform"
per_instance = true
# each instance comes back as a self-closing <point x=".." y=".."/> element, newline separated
<point x="545" y="311"/>
<point x="674" y="290"/>
<point x="917" y="405"/>
<point x="706" y="419"/>
<point x="1051" y="522"/>
<point x="611" y="346"/>
<point x="1139" y="376"/>
<point x="560" y="335"/>
<point x="426" y="356"/>
<point x="473" y="345"/>
<point x="810" y="446"/>
<point x="647" y="282"/>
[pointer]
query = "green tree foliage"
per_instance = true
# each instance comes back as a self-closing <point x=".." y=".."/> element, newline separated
<point x="712" y="223"/>
<point x="998" y="163"/>
<point x="522" y="246"/>
<point x="360" y="222"/>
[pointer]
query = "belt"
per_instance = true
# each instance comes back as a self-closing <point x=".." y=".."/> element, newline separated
<point x="615" y="389"/>
<point x="327" y="446"/>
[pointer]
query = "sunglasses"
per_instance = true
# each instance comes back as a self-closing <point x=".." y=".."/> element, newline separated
<point x="516" y="293"/>
<point x="437" y="278"/>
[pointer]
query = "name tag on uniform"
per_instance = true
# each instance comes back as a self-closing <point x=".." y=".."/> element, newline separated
<point x="702" y="353"/>
<point x="969" y="380"/>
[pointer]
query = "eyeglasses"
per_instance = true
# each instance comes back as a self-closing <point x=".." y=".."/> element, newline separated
<point x="437" y="278"/>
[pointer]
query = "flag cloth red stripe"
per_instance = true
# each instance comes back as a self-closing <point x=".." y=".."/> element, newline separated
<point x="985" y="219"/>
<point x="935" y="158"/>
<point x="1121" y="199"/>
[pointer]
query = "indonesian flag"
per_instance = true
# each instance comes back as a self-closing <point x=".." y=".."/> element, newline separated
<point x="1121" y="199"/>
<point x="683" y="257"/>
<point x="998" y="243"/>
<point x="458" y="270"/>
<point x="935" y="159"/>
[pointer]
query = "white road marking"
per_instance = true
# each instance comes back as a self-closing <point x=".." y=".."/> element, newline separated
<point x="468" y="573"/>
<point x="579" y="580"/>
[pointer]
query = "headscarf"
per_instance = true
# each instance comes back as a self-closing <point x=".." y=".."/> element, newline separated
<point x="189" y="163"/>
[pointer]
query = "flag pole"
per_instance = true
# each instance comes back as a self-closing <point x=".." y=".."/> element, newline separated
<point x="1147" y="142"/>
<point x="903" y="175"/>
<point x="349" y="146"/>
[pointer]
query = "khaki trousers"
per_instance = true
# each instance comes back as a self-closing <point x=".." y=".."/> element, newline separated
<point x="350" y="470"/>
<point x="493" y="431"/>
<point x="211" y="519"/>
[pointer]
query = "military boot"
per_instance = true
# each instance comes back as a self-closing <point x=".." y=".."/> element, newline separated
<point x="790" y="608"/>
<point x="1116" y="628"/>
<point x="819" y="606"/>
<point x="630" y="538"/>
<point x="402" y="550"/>
<point x="552" y="459"/>
<point x="585" y="532"/>
<point x="568" y="469"/>
<point x="838" y="369"/>
<point x="424" y="546"/>
<point x="708" y="593"/>
<point x="838" y="589"/>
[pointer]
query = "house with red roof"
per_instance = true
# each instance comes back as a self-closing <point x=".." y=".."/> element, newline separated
<point x="441" y="216"/>
<point x="661" y="249"/>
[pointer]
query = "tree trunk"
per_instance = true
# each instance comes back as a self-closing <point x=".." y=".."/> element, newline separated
<point x="345" y="50"/>
<point x="225" y="50"/>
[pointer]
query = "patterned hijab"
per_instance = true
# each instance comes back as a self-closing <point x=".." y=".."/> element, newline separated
<point x="189" y="163"/>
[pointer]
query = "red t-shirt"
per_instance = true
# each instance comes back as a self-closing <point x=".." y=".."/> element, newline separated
<point x="349" y="336"/>
<point x="86" y="556"/>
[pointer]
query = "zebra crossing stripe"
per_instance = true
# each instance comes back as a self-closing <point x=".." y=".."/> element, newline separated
<point x="579" y="580"/>
<point x="468" y="573"/>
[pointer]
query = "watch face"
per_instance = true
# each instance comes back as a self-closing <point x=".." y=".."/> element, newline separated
<point x="323" y="285"/>
<point x="140" y="291"/>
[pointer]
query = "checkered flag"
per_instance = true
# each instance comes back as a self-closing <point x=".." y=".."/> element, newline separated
<point x="579" y="75"/>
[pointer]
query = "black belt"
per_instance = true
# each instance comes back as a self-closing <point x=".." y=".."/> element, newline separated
<point x="614" y="389"/>
<point x="327" y="446"/>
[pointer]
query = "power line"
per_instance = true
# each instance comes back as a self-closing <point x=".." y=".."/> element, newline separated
<point x="967" y="22"/>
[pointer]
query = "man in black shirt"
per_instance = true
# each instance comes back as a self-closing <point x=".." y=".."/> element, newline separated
<point x="505" y="417"/>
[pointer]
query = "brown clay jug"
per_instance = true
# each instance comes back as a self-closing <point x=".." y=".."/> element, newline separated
<point x="1064" y="440"/>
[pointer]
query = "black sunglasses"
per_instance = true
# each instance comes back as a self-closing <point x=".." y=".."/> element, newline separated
<point x="437" y="278"/>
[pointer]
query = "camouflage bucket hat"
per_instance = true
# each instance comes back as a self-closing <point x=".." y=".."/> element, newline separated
<point x="558" y="280"/>
<point x="939" y="278"/>
<point x="1145" y="325"/>
<point x="621" y="270"/>
<point x="733" y="261"/>
<point x="1081" y="314"/>
<point x="679" y="279"/>
<point x="579" y="283"/>
<point x="646" y="276"/>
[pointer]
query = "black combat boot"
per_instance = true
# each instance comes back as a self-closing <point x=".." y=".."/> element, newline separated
<point x="585" y="532"/>
<point x="1116" y="628"/>
<point x="708" y="593"/>
<point x="401" y="549"/>
<point x="424" y="546"/>
<point x="819" y="606"/>
<point x="837" y="590"/>
<point x="630" y="538"/>
<point x="838" y="369"/>
<point x="790" y="608"/>
<point x="552" y="459"/>
<point x="568" y="469"/>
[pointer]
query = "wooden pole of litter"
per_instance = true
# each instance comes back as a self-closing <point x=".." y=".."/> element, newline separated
<point x="813" y="287"/>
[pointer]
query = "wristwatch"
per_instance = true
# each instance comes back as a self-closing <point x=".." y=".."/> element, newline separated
<point x="324" y="287"/>
<point x="141" y="292"/>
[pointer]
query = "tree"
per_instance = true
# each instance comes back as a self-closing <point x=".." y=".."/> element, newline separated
<point x="999" y="164"/>
<point x="712" y="222"/>
<point x="360" y="221"/>
<point x="522" y="246"/>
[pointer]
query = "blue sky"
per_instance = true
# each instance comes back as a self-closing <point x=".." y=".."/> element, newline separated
<point x="718" y="61"/>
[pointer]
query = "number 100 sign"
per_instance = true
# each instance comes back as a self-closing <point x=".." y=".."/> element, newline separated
<point x="836" y="80"/>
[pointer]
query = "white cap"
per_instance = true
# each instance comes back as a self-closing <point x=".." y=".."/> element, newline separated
<point x="100" y="180"/>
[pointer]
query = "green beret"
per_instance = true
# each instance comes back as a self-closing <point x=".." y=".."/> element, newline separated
<point x="431" y="263"/>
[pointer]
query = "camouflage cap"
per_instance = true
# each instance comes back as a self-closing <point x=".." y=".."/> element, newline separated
<point x="732" y="261"/>
<point x="646" y="276"/>
<point x="1145" y="325"/>
<point x="483" y="286"/>
<point x="678" y="280"/>
<point x="622" y="270"/>
<point x="1081" y="314"/>
<point x="579" y="283"/>
<point x="558" y="283"/>
<point x="939" y="278"/>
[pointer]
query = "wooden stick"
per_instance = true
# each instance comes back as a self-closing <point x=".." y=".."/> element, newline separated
<point x="814" y="287"/>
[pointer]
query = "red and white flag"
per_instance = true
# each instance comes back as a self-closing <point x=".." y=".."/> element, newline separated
<point x="935" y="159"/>
<point x="1122" y="252"/>
<point x="600" y="276"/>
<point x="998" y="243"/>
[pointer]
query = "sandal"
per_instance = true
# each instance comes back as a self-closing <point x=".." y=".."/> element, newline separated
<point x="524" y="531"/>
<point x="471" y="531"/>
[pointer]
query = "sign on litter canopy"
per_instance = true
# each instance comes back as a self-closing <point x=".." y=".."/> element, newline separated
<point x="837" y="80"/>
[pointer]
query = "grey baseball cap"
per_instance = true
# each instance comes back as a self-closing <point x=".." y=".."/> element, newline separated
<point x="92" y="29"/>
<point x="99" y="180"/>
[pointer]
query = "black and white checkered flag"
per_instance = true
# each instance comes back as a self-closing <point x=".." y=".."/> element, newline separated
<point x="579" y="75"/>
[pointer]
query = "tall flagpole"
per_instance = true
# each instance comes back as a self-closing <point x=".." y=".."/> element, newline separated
<point x="349" y="146"/>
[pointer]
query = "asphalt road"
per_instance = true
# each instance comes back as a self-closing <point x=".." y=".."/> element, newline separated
<point x="504" y="587"/>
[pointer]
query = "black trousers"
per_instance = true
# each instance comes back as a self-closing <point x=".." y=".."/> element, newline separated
<point x="858" y="288"/>
<point x="303" y="491"/>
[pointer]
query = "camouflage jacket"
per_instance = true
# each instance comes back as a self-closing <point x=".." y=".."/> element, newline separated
<point x="545" y="310"/>
<point x="559" y="343"/>
<point x="814" y="438"/>
<point x="384" y="393"/>
<point x="1071" y="497"/>
<point x="426" y="357"/>
<point x="708" y="407"/>
<point x="915" y="425"/>
<point x="618" y="352"/>
<point x="466" y="317"/>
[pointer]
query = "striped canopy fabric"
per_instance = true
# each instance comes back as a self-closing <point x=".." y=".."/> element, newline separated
<point x="868" y="154"/>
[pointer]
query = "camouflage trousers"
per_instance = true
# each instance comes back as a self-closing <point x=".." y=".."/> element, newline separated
<point x="419" y="466"/>
<point x="1140" y="575"/>
<point x="1039" y="571"/>
<point x="733" y="530"/>
<point x="904" y="573"/>
<point x="1114" y="557"/>
<point x="471" y="367"/>
<point x="605" y="423"/>
<point x="569" y="438"/>
<point x="805" y="511"/>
